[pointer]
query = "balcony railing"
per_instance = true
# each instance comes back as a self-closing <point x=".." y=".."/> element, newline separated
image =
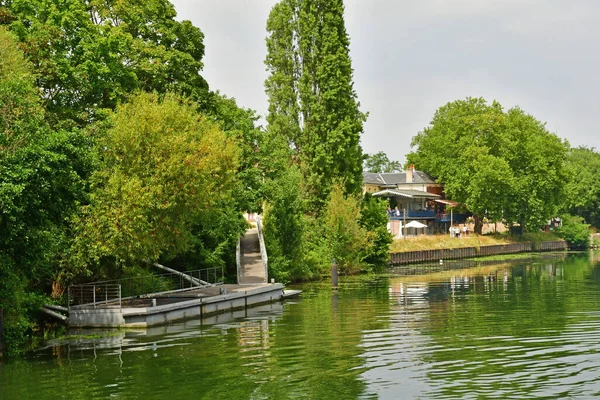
<point x="458" y="218"/>
<point x="416" y="215"/>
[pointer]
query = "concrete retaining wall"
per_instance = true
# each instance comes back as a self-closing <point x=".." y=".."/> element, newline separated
<point x="412" y="257"/>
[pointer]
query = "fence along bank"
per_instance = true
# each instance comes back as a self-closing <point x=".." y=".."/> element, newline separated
<point x="411" y="257"/>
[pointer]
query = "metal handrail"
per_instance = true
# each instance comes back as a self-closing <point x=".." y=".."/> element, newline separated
<point x="263" y="248"/>
<point x="112" y="290"/>
<point x="90" y="294"/>
<point x="192" y="273"/>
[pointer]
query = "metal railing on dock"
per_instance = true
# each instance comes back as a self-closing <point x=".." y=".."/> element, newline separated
<point x="110" y="293"/>
<point x="104" y="295"/>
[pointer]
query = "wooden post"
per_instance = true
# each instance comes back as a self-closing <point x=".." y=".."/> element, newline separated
<point x="1" y="331"/>
<point x="334" y="274"/>
<point x="404" y="224"/>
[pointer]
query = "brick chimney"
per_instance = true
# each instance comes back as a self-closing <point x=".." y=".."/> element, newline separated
<point x="410" y="173"/>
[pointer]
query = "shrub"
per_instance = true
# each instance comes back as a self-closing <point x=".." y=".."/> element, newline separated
<point x="348" y="242"/>
<point x="374" y="219"/>
<point x="575" y="231"/>
<point x="284" y="226"/>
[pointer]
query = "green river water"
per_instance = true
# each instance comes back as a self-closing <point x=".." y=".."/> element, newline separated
<point x="522" y="329"/>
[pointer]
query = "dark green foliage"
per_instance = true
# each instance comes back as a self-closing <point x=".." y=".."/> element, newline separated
<point x="575" y="231"/>
<point x="380" y="163"/>
<point x="42" y="181"/>
<point x="315" y="124"/>
<point x="284" y="226"/>
<point x="374" y="219"/>
<point x="312" y="102"/>
<point x="214" y="240"/>
<point x="90" y="55"/>
<point x="582" y="188"/>
<point x="239" y="123"/>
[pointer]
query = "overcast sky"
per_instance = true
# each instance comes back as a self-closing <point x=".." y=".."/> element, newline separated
<point x="412" y="56"/>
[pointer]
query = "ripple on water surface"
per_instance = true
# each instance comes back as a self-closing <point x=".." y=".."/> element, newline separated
<point x="527" y="329"/>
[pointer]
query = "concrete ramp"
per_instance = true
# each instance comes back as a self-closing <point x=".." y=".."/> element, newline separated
<point x="252" y="263"/>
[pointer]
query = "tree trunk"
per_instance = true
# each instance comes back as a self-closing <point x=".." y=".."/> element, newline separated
<point x="478" y="224"/>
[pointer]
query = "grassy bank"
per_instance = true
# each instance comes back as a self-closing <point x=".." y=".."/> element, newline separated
<point x="435" y="242"/>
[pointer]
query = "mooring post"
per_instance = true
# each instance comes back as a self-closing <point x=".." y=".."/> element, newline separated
<point x="1" y="331"/>
<point x="334" y="274"/>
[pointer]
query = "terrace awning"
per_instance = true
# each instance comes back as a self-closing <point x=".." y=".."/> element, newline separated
<point x="447" y="202"/>
<point x="410" y="194"/>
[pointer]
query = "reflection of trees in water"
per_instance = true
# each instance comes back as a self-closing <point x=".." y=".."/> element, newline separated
<point x="499" y="330"/>
<point x="314" y="352"/>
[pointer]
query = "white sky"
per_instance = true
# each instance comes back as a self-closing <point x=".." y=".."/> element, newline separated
<point x="412" y="56"/>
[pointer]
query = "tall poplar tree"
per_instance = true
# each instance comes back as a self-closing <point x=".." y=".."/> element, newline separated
<point x="312" y="102"/>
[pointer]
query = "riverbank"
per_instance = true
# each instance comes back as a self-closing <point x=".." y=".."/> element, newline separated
<point x="439" y="242"/>
<point x="431" y="249"/>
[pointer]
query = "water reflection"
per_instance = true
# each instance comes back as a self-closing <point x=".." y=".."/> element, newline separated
<point x="525" y="330"/>
<point x="521" y="329"/>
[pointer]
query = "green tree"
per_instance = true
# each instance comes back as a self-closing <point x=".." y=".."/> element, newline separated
<point x="163" y="167"/>
<point x="373" y="218"/>
<point x="90" y="55"/>
<point x="582" y="188"/>
<point x="42" y="181"/>
<point x="503" y="165"/>
<point x="345" y="238"/>
<point x="312" y="102"/>
<point x="240" y="124"/>
<point x="284" y="224"/>
<point x="380" y="163"/>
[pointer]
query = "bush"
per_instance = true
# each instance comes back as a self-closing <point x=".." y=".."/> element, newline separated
<point x="348" y="242"/>
<point x="575" y="231"/>
<point x="284" y="227"/>
<point x="374" y="219"/>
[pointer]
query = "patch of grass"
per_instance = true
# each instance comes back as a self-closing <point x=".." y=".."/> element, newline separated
<point x="95" y="335"/>
<point x="508" y="257"/>
<point x="537" y="237"/>
<point x="435" y="242"/>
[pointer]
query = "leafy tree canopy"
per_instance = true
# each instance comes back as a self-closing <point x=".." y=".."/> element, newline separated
<point x="163" y="166"/>
<point x="90" y="54"/>
<point x="345" y="237"/>
<point x="312" y="102"/>
<point x="582" y="188"/>
<point x="42" y="181"/>
<point x="240" y="123"/>
<point x="380" y="163"/>
<point x="500" y="164"/>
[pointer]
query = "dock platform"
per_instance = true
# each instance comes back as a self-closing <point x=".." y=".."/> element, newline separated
<point x="146" y="301"/>
<point x="163" y="308"/>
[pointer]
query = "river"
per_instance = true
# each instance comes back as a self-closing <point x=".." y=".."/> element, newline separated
<point x="525" y="328"/>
